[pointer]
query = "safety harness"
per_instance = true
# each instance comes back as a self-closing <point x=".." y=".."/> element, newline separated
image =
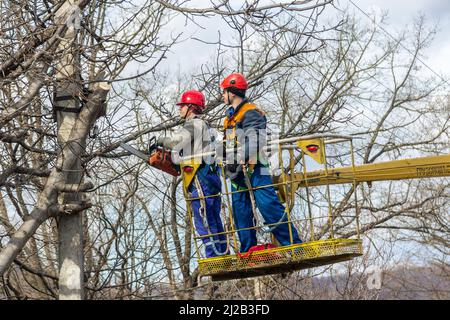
<point x="230" y="124"/>
<point x="202" y="212"/>
<point x="193" y="177"/>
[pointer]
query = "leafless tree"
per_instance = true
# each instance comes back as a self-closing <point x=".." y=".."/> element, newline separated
<point x="310" y="76"/>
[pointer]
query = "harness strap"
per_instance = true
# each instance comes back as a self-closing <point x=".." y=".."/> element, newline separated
<point x="202" y="213"/>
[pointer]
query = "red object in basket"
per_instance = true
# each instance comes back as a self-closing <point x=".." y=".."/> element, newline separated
<point x="258" y="247"/>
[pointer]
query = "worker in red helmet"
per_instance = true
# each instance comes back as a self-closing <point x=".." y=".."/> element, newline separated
<point x="245" y="132"/>
<point x="195" y="137"/>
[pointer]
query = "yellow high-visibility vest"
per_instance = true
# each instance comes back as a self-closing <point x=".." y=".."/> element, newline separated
<point x="231" y="122"/>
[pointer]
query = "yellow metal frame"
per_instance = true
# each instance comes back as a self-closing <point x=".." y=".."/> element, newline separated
<point x="194" y="164"/>
<point x="281" y="259"/>
<point x="278" y="259"/>
<point x="315" y="252"/>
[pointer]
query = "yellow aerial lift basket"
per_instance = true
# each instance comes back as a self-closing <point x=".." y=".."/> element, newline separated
<point x="315" y="252"/>
<point x="281" y="259"/>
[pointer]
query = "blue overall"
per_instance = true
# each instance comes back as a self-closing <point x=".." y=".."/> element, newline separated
<point x="252" y="127"/>
<point x="207" y="220"/>
<point x="268" y="204"/>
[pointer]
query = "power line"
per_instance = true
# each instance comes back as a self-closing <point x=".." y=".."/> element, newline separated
<point x="404" y="129"/>
<point x="400" y="43"/>
<point x="349" y="106"/>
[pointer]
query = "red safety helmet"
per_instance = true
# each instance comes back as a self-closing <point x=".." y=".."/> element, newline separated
<point x="193" y="97"/>
<point x="235" y="80"/>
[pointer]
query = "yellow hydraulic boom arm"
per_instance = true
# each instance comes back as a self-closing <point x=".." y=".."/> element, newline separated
<point x="414" y="168"/>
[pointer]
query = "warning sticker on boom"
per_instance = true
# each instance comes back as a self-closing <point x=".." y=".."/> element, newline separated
<point x="432" y="171"/>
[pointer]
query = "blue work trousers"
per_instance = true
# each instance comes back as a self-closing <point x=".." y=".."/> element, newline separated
<point x="268" y="204"/>
<point x="206" y="213"/>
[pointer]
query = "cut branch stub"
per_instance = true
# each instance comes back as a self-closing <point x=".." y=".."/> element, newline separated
<point x="69" y="208"/>
<point x="74" y="188"/>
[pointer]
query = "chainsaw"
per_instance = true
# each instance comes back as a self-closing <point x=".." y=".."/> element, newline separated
<point x="158" y="157"/>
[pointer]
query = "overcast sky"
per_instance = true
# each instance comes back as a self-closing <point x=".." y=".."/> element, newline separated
<point x="401" y="13"/>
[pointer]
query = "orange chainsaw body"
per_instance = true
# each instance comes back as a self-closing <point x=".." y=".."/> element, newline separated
<point x="162" y="160"/>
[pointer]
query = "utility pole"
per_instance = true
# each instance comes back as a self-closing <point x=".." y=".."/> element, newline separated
<point x="67" y="105"/>
<point x="259" y="286"/>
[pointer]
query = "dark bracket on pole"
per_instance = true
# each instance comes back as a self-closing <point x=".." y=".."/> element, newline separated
<point x="65" y="92"/>
<point x="69" y="208"/>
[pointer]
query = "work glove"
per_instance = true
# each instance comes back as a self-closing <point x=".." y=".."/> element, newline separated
<point x="232" y="170"/>
<point x="232" y="167"/>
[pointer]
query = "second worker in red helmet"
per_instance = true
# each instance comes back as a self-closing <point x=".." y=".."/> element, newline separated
<point x="245" y="131"/>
